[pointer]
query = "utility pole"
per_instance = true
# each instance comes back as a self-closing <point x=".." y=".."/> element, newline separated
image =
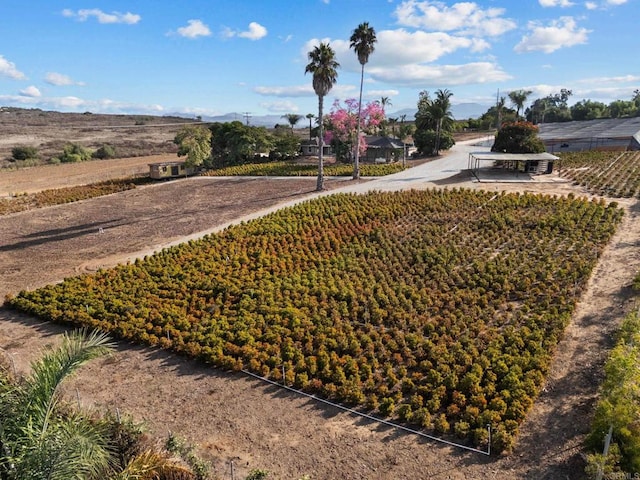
<point x="247" y="116"/>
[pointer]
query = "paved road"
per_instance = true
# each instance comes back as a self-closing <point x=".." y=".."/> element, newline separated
<point x="451" y="164"/>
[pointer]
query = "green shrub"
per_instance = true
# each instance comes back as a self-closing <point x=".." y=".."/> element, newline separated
<point x="105" y="152"/>
<point x="73" y="153"/>
<point x="24" y="153"/>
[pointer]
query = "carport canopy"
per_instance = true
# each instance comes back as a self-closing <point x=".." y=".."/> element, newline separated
<point x="476" y="158"/>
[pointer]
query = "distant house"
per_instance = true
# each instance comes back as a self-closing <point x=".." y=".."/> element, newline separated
<point x="164" y="170"/>
<point x="600" y="134"/>
<point x="386" y="149"/>
<point x="311" y="147"/>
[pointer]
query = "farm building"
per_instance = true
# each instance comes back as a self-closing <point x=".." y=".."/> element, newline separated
<point x="164" y="170"/>
<point x="386" y="149"/>
<point x="601" y="134"/>
<point x="312" y="147"/>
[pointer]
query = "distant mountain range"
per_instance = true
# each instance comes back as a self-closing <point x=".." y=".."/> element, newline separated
<point x="460" y="111"/>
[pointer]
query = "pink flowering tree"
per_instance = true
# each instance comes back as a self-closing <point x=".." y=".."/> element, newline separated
<point x="343" y="125"/>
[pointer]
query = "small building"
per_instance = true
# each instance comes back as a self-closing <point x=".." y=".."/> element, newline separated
<point x="311" y="147"/>
<point x="385" y="149"/>
<point x="173" y="169"/>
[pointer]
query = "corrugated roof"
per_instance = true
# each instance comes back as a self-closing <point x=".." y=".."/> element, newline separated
<point x="600" y="128"/>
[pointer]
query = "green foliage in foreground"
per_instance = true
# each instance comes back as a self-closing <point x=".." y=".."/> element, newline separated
<point x="619" y="404"/>
<point x="440" y="308"/>
<point x="289" y="169"/>
<point x="607" y="173"/>
<point x="41" y="436"/>
<point x="59" y="196"/>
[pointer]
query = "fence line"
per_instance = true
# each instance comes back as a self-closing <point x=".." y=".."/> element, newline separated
<point x="374" y="419"/>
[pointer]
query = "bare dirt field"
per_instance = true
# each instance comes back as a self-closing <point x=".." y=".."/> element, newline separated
<point x="234" y="418"/>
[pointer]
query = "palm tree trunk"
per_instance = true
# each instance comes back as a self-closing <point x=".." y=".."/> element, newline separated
<point x="320" y="182"/>
<point x="356" y="163"/>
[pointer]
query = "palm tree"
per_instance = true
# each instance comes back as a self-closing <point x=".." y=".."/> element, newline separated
<point x="310" y="116"/>
<point x="441" y="114"/>
<point x="37" y="440"/>
<point x="292" y="118"/>
<point x="518" y="98"/>
<point x="362" y="42"/>
<point x="323" y="66"/>
<point x="384" y="103"/>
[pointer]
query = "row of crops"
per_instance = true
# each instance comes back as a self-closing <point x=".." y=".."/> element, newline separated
<point x="606" y="173"/>
<point x="63" y="195"/>
<point x="288" y="169"/>
<point x="439" y="308"/>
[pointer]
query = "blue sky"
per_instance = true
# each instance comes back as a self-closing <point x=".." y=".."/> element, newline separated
<point x="211" y="57"/>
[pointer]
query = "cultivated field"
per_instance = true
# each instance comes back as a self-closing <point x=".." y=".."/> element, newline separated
<point x="241" y="420"/>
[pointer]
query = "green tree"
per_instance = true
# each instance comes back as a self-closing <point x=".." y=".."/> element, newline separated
<point x="38" y="440"/>
<point x="310" y="117"/>
<point x="518" y="98"/>
<point x="518" y="137"/>
<point x="362" y="40"/>
<point x="194" y="141"/>
<point x="323" y="66"/>
<point x="285" y="145"/>
<point x="234" y="143"/>
<point x="433" y="115"/>
<point x="441" y="113"/>
<point x="588" y="110"/>
<point x="292" y="118"/>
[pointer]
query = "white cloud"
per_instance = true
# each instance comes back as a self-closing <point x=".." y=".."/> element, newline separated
<point x="194" y="29"/>
<point x="560" y="33"/>
<point x="30" y="91"/>
<point x="463" y="17"/>
<point x="255" y="32"/>
<point x="342" y="91"/>
<point x="401" y="47"/>
<point x="58" y="79"/>
<point x="295" y="91"/>
<point x="8" y="69"/>
<point x="102" y="17"/>
<point x="438" y="75"/>
<point x="280" y="107"/>
<point x="556" y="3"/>
<point x="592" y="5"/>
<point x="381" y="93"/>
<point x="618" y="79"/>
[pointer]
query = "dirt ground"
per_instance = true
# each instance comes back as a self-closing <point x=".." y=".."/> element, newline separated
<point x="240" y="423"/>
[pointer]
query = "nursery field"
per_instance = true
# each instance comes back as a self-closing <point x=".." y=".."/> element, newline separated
<point x="612" y="174"/>
<point x="438" y="308"/>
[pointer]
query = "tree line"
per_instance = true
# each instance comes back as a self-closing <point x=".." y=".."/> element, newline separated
<point x="553" y="108"/>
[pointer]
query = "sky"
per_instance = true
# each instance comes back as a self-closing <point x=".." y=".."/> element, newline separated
<point x="213" y="57"/>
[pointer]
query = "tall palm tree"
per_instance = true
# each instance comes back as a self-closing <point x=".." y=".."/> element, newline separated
<point x="518" y="98"/>
<point x="362" y="42"/>
<point x="441" y="114"/>
<point x="292" y="118"/>
<point x="310" y="116"/>
<point x="323" y="66"/>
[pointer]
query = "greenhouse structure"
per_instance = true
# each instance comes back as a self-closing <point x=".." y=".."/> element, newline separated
<point x="601" y="134"/>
